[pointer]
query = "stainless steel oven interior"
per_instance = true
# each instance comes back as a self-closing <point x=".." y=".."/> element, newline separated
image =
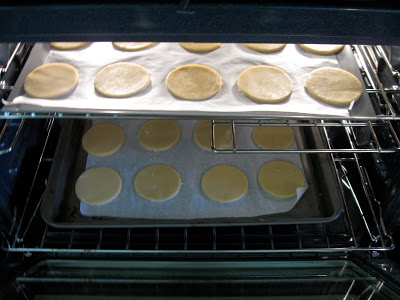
<point x="338" y="243"/>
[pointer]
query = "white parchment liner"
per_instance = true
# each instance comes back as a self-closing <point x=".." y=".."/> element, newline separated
<point x="229" y="60"/>
<point x="191" y="162"/>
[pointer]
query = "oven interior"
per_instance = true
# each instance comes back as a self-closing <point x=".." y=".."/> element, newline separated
<point x="350" y="256"/>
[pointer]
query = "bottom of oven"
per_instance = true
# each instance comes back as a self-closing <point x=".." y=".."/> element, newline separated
<point x="113" y="279"/>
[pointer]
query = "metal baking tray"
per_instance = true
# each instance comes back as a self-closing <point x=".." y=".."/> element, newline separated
<point x="322" y="201"/>
<point x="361" y="110"/>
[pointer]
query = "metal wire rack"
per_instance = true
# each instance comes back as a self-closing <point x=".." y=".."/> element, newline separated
<point x="358" y="228"/>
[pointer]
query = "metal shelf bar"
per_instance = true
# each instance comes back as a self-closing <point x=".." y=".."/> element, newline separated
<point x="346" y="125"/>
<point x="19" y="237"/>
<point x="370" y="58"/>
<point x="6" y="126"/>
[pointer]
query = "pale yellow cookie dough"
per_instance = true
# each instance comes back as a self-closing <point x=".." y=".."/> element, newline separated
<point x="202" y="135"/>
<point x="159" y="135"/>
<point x="273" y="137"/>
<point x="323" y="49"/>
<point x="200" y="47"/>
<point x="265" y="48"/>
<point x="133" y="46"/>
<point x="68" y="45"/>
<point x="97" y="186"/>
<point x="224" y="184"/>
<point x="194" y="82"/>
<point x="265" y="84"/>
<point x="333" y="86"/>
<point x="51" y="81"/>
<point x="157" y="182"/>
<point x="281" y="179"/>
<point x="121" y="80"/>
<point x="103" y="139"/>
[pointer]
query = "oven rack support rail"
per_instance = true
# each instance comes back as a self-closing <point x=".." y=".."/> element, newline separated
<point x="360" y="227"/>
<point x="370" y="60"/>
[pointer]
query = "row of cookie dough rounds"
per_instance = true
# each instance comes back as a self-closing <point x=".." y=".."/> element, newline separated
<point x="265" y="84"/>
<point x="160" y="182"/>
<point x="322" y="49"/>
<point x="160" y="135"/>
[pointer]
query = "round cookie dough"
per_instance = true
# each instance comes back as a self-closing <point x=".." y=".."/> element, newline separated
<point x="202" y="136"/>
<point x="194" y="82"/>
<point x="281" y="179"/>
<point x="265" y="48"/>
<point x="157" y="182"/>
<point x="200" y="47"/>
<point x="97" y="186"/>
<point x="103" y="139"/>
<point x="333" y="86"/>
<point x="323" y="49"/>
<point x="224" y="184"/>
<point x="273" y="137"/>
<point x="51" y="81"/>
<point x="133" y="46"/>
<point x="68" y="45"/>
<point x="159" y="135"/>
<point x="121" y="80"/>
<point x="265" y="84"/>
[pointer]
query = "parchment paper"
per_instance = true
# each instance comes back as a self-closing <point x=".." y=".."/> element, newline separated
<point x="191" y="162"/>
<point x="230" y="60"/>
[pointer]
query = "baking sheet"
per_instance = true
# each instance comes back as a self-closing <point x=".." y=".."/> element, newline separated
<point x="191" y="162"/>
<point x="321" y="202"/>
<point x="229" y="60"/>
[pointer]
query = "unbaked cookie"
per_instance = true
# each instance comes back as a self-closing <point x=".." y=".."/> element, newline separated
<point x="68" y="45"/>
<point x="121" y="80"/>
<point x="133" y="46"/>
<point x="200" y="47"/>
<point x="103" y="139"/>
<point x="51" y="81"/>
<point x="265" y="48"/>
<point x="333" y="86"/>
<point x="224" y="184"/>
<point x="281" y="179"/>
<point x="323" y="49"/>
<point x="97" y="186"/>
<point x="194" y="82"/>
<point x="159" y="135"/>
<point x="273" y="137"/>
<point x="157" y="182"/>
<point x="202" y="135"/>
<point x="265" y="84"/>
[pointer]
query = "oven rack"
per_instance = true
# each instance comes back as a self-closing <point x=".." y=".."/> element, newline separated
<point x="11" y="129"/>
<point x="360" y="227"/>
